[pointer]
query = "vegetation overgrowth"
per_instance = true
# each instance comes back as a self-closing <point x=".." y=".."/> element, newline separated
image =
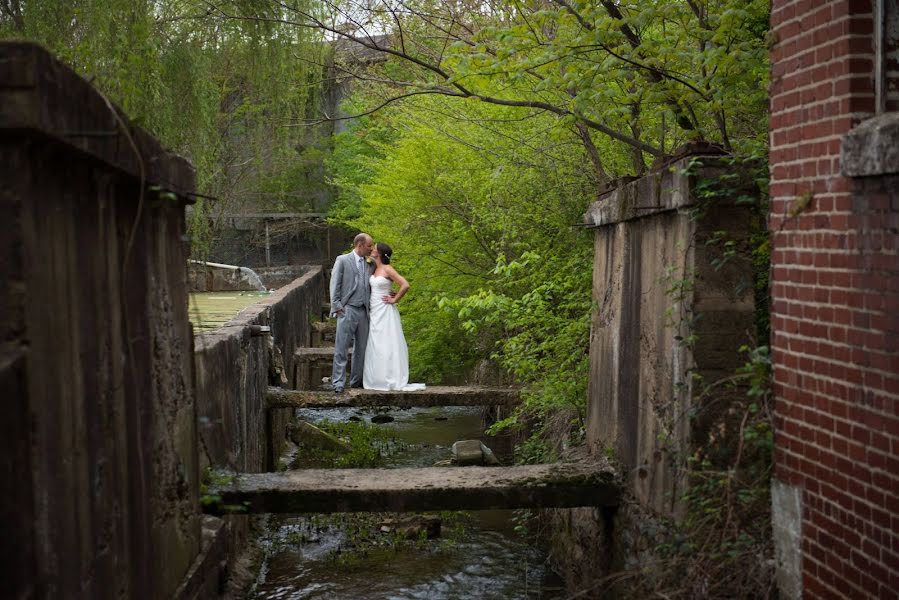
<point x="219" y="92"/>
<point x="474" y="136"/>
<point x="479" y="179"/>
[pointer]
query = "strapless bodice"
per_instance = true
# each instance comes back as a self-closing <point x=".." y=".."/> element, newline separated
<point x="380" y="284"/>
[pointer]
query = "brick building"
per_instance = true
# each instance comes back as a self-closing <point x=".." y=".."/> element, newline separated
<point x="834" y="226"/>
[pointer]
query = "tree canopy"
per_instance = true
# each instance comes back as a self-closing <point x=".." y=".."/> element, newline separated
<point x="219" y="92"/>
<point x="473" y="134"/>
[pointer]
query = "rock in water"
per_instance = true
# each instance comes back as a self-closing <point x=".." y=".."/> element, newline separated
<point x="382" y="419"/>
<point x="489" y="458"/>
<point x="473" y="452"/>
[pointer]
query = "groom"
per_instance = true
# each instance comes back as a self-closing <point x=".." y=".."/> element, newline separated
<point x="350" y="292"/>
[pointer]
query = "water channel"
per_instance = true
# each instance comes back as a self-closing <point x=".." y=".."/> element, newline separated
<point x="478" y="555"/>
<point x="211" y="310"/>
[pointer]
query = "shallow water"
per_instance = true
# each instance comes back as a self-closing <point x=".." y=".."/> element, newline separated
<point x="312" y="556"/>
<point x="211" y="310"/>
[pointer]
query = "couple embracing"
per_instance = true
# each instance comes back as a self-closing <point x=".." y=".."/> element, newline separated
<point x="364" y="303"/>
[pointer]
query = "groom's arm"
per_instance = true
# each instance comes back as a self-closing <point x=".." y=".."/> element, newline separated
<point x="336" y="287"/>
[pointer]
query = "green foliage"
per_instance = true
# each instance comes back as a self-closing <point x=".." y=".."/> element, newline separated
<point x="484" y="229"/>
<point x="480" y="199"/>
<point x="370" y="445"/>
<point x="215" y="90"/>
<point x="647" y="75"/>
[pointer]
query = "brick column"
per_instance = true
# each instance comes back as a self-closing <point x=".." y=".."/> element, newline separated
<point x="835" y="311"/>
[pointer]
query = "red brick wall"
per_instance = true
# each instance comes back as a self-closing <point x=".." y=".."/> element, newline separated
<point x="835" y="303"/>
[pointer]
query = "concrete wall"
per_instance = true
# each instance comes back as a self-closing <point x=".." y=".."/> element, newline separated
<point x="234" y="368"/>
<point x="309" y="240"/>
<point x="834" y="227"/>
<point x="655" y="286"/>
<point x="205" y="278"/>
<point x="98" y="452"/>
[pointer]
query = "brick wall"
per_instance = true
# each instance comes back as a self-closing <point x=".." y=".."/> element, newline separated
<point x="835" y="311"/>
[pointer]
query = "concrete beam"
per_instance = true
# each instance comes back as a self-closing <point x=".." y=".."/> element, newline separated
<point x="321" y="353"/>
<point x="431" y="396"/>
<point x="563" y="485"/>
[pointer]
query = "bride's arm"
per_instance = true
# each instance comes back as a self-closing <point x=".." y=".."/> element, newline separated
<point x="399" y="280"/>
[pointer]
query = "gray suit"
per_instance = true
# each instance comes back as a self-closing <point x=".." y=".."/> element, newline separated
<point x="350" y="293"/>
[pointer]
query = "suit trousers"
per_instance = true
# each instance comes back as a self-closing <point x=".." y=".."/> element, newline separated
<point x="352" y="327"/>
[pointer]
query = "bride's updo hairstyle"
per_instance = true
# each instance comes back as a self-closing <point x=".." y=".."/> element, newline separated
<point x="385" y="251"/>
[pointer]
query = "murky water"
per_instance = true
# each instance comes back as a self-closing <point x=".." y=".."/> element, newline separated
<point x="211" y="310"/>
<point x="479" y="555"/>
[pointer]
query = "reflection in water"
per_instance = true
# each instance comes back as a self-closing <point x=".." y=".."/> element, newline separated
<point x="211" y="310"/>
<point x="311" y="556"/>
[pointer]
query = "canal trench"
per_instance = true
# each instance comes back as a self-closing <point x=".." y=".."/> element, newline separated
<point x="479" y="554"/>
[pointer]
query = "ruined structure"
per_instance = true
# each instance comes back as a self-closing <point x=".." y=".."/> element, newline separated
<point x="114" y="407"/>
<point x="98" y="445"/>
<point x="670" y="316"/>
<point x="835" y="296"/>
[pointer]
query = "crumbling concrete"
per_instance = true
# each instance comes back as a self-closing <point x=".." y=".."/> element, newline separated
<point x="872" y="148"/>
<point x="587" y="483"/>
<point x="98" y="442"/>
<point x="667" y="313"/>
<point x="234" y="368"/>
<point x="430" y="396"/>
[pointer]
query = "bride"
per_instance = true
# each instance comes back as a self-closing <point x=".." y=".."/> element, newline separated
<point x="386" y="354"/>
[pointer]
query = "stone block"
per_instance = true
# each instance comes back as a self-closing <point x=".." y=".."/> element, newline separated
<point x="872" y="148"/>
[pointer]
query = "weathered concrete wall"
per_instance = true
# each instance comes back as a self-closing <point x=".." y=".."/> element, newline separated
<point x="205" y="278"/>
<point x="305" y="240"/>
<point x="234" y="368"/>
<point x="98" y="435"/>
<point x="656" y="285"/>
<point x="664" y="314"/>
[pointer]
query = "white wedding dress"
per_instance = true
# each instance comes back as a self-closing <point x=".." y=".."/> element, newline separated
<point x="386" y="354"/>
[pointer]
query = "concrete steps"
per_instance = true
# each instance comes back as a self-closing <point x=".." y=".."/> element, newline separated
<point x="431" y="396"/>
<point x="313" y="364"/>
<point x="562" y="485"/>
<point x="323" y="333"/>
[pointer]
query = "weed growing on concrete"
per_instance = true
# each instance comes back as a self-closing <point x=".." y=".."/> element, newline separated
<point x="368" y="447"/>
<point x="721" y="546"/>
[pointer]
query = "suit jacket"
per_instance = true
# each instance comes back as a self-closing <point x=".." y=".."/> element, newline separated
<point x="344" y="280"/>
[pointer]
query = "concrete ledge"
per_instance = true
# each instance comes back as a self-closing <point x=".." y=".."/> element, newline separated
<point x="319" y="353"/>
<point x="559" y="485"/>
<point x="40" y="94"/>
<point x="431" y="396"/>
<point x="311" y="365"/>
<point x="660" y="191"/>
<point x="323" y="333"/>
<point x="872" y="148"/>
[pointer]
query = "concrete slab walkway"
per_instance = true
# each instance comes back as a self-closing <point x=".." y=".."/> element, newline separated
<point x="431" y="396"/>
<point x="586" y="483"/>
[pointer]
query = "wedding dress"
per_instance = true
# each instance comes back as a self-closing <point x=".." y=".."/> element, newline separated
<point x="386" y="354"/>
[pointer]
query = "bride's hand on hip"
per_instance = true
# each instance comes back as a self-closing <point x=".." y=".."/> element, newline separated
<point x="389" y="299"/>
